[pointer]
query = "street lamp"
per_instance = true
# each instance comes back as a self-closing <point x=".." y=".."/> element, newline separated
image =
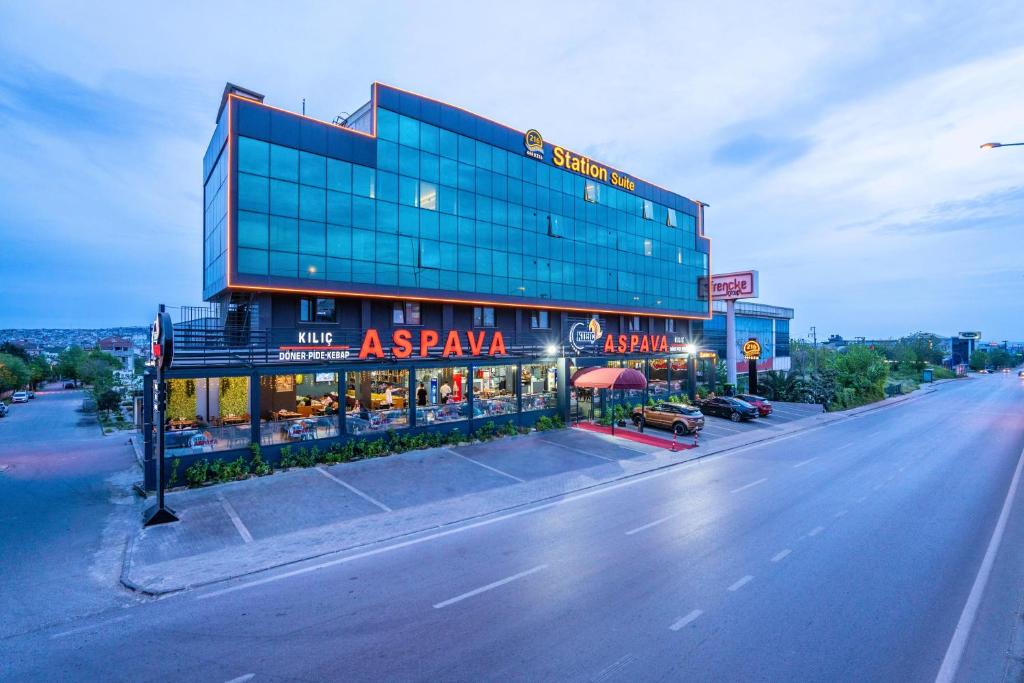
<point x="993" y="145"/>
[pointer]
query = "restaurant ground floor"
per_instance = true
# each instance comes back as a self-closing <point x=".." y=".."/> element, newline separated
<point x="221" y="412"/>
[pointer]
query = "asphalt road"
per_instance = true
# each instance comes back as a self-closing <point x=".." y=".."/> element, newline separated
<point x="846" y="552"/>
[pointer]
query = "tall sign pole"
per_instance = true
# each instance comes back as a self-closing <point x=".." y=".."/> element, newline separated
<point x="730" y="287"/>
<point x="162" y="346"/>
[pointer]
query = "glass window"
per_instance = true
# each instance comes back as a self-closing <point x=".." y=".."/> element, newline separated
<point x="206" y="415"/>
<point x="441" y="395"/>
<point x="409" y="132"/>
<point x="405" y="313"/>
<point x="387" y="156"/>
<point x="339" y="208"/>
<point x="539" y="320"/>
<point x="252" y="229"/>
<point x="494" y="391"/>
<point x="253" y="156"/>
<point x="429" y="138"/>
<point x="363" y="184"/>
<point x="670" y="325"/>
<point x="671" y="221"/>
<point x="483" y="316"/>
<point x="284" y="163"/>
<point x="540" y="387"/>
<point x="312" y="203"/>
<point x="648" y="209"/>
<point x="428" y="195"/>
<point x="591" y="191"/>
<point x="430" y="254"/>
<point x="376" y="400"/>
<point x="284" y="234"/>
<point x="312" y="237"/>
<point x="387" y="125"/>
<point x="317" y="310"/>
<point x="252" y="192"/>
<point x="648" y="247"/>
<point x="339" y="175"/>
<point x="284" y="198"/>
<point x="634" y="323"/>
<point x="284" y="264"/>
<point x="312" y="169"/>
<point x="253" y="261"/>
<point x="408" y="161"/>
<point x="298" y="407"/>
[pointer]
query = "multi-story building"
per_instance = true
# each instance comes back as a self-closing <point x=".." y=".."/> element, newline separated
<point x="420" y="266"/>
<point x="768" y="324"/>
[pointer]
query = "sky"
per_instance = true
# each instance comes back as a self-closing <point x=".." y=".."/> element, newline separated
<point x="837" y="144"/>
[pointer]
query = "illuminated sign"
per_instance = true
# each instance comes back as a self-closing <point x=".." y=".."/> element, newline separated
<point x="636" y="343"/>
<point x="534" y="144"/>
<point x="584" y="166"/>
<point x="970" y="335"/>
<point x="403" y="344"/>
<point x="313" y="345"/>
<point x="710" y="355"/>
<point x="583" y="336"/>
<point x="751" y="349"/>
<point x="730" y="286"/>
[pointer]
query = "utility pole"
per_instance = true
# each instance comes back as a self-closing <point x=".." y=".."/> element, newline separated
<point x="814" y="335"/>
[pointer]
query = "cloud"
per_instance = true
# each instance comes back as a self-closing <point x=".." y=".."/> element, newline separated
<point x="754" y="148"/>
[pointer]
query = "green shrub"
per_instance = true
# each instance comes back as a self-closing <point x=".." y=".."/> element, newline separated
<point x="196" y="473"/>
<point x="173" y="479"/>
<point x="287" y="459"/>
<point x="259" y="467"/>
<point x="509" y="429"/>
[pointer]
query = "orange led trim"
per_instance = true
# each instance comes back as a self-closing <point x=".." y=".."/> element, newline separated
<point x="391" y="297"/>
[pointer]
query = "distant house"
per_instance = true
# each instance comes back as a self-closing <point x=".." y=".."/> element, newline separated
<point x="119" y="347"/>
<point x="29" y="347"/>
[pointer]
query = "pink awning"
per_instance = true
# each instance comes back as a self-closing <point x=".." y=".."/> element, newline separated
<point x="609" y="378"/>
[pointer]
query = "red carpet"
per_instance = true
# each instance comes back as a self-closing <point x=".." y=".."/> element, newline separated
<point x="656" y="441"/>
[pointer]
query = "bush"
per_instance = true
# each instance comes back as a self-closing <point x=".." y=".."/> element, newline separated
<point x="173" y="479"/>
<point x="195" y="474"/>
<point x="259" y="468"/>
<point x="286" y="458"/>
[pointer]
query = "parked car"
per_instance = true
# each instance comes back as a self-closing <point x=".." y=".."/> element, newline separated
<point x="19" y="397"/>
<point x="1020" y="373"/>
<point x="3" y="409"/>
<point x="727" y="406"/>
<point x="681" y="419"/>
<point x="69" y="385"/>
<point x="763" y="405"/>
<point x="1006" y="369"/>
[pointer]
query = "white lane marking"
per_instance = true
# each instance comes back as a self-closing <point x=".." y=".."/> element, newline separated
<point x="741" y="583"/>
<point x="890" y="477"/>
<point x="901" y="468"/>
<point x="861" y="499"/>
<point x="486" y="467"/>
<point x="490" y="586"/>
<point x="840" y="513"/>
<point x="809" y="460"/>
<point x="815" y="531"/>
<point x="781" y="555"/>
<point x="235" y="519"/>
<point x="242" y="679"/>
<point x="654" y="523"/>
<point x="951" y="662"/>
<point x="596" y="490"/>
<point x="365" y="496"/>
<point x="846" y="445"/>
<point x="683" y="621"/>
<point x="81" y="629"/>
<point x="613" y="669"/>
<point x="877" y="486"/>
<point x="751" y="484"/>
<point x="577" y="450"/>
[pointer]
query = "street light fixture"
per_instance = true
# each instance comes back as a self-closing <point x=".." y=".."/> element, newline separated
<point x="993" y="145"/>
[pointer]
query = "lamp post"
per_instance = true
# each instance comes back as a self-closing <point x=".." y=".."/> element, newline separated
<point x="691" y="371"/>
<point x="993" y="145"/>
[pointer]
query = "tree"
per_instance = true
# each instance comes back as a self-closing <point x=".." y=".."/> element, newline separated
<point x="784" y="386"/>
<point x="12" y="349"/>
<point x="861" y="374"/>
<point x="979" y="359"/>
<point x="14" y="372"/>
<point x="68" y="362"/>
<point x="39" y="370"/>
<point x="108" y="399"/>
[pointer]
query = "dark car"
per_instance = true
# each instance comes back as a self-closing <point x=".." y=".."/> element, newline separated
<point x="681" y="419"/>
<point x="727" y="406"/>
<point x="3" y="409"/>
<point x="763" y="405"/>
<point x="69" y="385"/>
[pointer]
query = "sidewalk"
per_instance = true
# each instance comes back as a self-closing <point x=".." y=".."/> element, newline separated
<point x="241" y="528"/>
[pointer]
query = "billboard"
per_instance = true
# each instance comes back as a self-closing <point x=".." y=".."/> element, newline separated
<point x="969" y="335"/>
<point x="730" y="286"/>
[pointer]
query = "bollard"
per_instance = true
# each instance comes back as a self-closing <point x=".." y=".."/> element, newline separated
<point x="695" y="441"/>
<point x="675" y="438"/>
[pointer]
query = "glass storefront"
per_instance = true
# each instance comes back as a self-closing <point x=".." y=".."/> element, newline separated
<point x="206" y="415"/>
<point x="540" y="386"/>
<point x="376" y="400"/>
<point x="299" y="407"/>
<point x="494" y="390"/>
<point x="441" y="395"/>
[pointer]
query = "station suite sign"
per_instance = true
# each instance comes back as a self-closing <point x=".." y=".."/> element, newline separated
<point x="577" y="163"/>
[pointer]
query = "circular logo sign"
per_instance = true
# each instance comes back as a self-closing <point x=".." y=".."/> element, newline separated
<point x="534" y="143"/>
<point x="751" y="349"/>
<point x="583" y="335"/>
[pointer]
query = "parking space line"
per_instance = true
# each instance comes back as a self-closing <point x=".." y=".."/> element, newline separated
<point x="235" y="519"/>
<point x="353" y="489"/>
<point x="486" y="467"/>
<point x="577" y="450"/>
<point x="750" y="485"/>
<point x="809" y="460"/>
<point x="490" y="586"/>
<point x="741" y="583"/>
<point x="781" y="555"/>
<point x="688" y="619"/>
<point x="729" y="429"/>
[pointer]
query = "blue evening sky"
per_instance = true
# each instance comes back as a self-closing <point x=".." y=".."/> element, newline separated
<point x="836" y="142"/>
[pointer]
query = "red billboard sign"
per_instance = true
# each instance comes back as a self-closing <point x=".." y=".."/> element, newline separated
<point x="741" y="285"/>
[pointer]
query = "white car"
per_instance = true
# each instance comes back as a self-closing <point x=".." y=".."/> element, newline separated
<point x="20" y="397"/>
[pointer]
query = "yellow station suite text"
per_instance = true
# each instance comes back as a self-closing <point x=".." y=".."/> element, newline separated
<point x="584" y="166"/>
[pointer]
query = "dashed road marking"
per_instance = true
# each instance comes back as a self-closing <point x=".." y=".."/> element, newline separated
<point x="683" y="621"/>
<point x="750" y="485"/>
<point x="877" y="486"/>
<point x="741" y="583"/>
<point x="840" y="513"/>
<point x="614" y="668"/>
<point x="861" y="499"/>
<point x="801" y="464"/>
<point x="242" y="679"/>
<point x="490" y="586"/>
<point x="82" y="629"/>
<point x="652" y="524"/>
<point x="815" y="531"/>
<point x="781" y="555"/>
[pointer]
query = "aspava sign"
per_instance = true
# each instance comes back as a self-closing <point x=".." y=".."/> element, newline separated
<point x="424" y="343"/>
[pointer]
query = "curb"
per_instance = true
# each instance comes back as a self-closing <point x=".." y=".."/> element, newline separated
<point x="822" y="420"/>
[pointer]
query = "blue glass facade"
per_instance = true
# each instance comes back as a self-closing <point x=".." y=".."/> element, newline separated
<point x="439" y="204"/>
